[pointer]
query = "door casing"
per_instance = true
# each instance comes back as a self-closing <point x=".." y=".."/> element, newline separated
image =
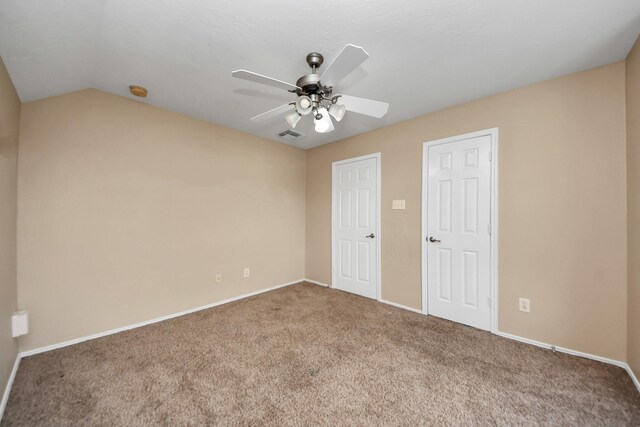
<point x="493" y="133"/>
<point x="378" y="232"/>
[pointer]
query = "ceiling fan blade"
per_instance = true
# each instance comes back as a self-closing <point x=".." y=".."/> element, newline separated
<point x="273" y="113"/>
<point x="347" y="60"/>
<point x="259" y="78"/>
<point x="368" y="107"/>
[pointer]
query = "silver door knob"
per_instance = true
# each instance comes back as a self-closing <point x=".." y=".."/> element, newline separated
<point x="432" y="240"/>
<point x="370" y="236"/>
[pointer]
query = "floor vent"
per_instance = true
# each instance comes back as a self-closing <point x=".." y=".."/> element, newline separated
<point x="290" y="134"/>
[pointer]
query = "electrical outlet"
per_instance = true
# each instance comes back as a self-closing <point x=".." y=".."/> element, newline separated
<point x="525" y="305"/>
<point x="219" y="278"/>
<point x="246" y="272"/>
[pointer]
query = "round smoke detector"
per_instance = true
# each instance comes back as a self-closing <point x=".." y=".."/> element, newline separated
<point x="138" y="91"/>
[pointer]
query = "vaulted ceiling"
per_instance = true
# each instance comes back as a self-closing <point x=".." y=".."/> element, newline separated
<point x="425" y="54"/>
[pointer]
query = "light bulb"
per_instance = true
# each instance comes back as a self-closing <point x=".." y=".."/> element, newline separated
<point x="292" y="117"/>
<point x="337" y="111"/>
<point x="324" y="124"/>
<point x="304" y="105"/>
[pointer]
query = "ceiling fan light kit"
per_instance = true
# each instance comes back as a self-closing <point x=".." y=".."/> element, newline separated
<point x="315" y="92"/>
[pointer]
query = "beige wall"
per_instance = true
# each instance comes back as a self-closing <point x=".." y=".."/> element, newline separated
<point x="633" y="191"/>
<point x="562" y="206"/>
<point x="9" y="125"/>
<point x="127" y="211"/>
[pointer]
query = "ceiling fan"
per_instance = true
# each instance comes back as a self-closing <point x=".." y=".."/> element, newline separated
<point x="315" y="92"/>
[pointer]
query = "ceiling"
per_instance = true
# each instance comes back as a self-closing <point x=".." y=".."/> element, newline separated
<point x="425" y="54"/>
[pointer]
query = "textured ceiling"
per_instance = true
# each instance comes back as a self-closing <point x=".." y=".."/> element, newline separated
<point x="425" y="54"/>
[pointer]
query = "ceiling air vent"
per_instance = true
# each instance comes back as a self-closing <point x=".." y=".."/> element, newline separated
<point x="290" y="134"/>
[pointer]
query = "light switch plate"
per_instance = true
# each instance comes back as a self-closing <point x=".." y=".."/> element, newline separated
<point x="398" y="204"/>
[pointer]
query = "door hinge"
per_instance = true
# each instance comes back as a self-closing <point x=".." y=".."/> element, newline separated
<point x="489" y="230"/>
<point x="489" y="301"/>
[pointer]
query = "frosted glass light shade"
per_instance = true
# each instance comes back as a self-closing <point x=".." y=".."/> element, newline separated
<point x="337" y="111"/>
<point x="292" y="117"/>
<point x="324" y="125"/>
<point x="304" y="105"/>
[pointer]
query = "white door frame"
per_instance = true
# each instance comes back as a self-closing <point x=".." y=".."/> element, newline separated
<point x="378" y="238"/>
<point x="493" y="133"/>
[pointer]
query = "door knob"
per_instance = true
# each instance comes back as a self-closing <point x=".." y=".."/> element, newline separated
<point x="370" y="236"/>
<point x="432" y="240"/>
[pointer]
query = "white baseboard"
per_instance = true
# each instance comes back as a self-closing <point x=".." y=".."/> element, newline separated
<point x="315" y="282"/>
<point x="404" y="307"/>
<point x="7" y="389"/>
<point x="562" y="349"/>
<point x="148" y="322"/>
<point x="633" y="377"/>
<point x="619" y="363"/>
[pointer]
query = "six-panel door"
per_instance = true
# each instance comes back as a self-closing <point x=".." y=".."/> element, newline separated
<point x="355" y="218"/>
<point x="458" y="231"/>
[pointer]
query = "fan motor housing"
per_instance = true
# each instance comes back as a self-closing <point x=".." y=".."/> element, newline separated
<point x="309" y="83"/>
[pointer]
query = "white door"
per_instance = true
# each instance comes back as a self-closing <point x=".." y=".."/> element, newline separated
<point x="355" y="225"/>
<point x="458" y="231"/>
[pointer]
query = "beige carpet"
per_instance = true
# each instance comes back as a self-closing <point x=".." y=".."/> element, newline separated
<point x="306" y="355"/>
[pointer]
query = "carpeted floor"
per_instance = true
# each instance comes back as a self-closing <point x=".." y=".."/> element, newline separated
<point x="306" y="355"/>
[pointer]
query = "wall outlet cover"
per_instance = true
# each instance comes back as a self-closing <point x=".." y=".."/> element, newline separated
<point x="525" y="305"/>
